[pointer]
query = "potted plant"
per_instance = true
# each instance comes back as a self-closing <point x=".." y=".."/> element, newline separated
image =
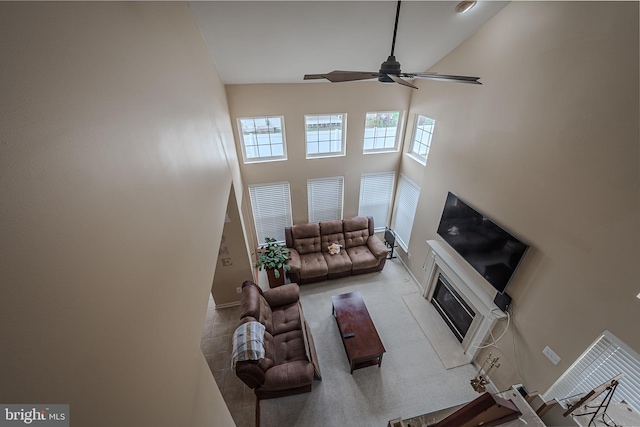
<point x="272" y="258"/>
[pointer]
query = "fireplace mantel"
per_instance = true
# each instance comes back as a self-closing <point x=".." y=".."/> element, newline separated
<point x="468" y="283"/>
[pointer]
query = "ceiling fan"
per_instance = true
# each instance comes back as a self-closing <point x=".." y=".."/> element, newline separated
<point x="389" y="71"/>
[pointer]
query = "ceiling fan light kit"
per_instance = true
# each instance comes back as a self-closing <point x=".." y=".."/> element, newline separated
<point x="390" y="71"/>
<point x="465" y="6"/>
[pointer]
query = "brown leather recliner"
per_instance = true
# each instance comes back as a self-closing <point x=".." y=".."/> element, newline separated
<point x="290" y="361"/>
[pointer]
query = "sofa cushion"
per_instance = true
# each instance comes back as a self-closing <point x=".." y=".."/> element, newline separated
<point x="338" y="263"/>
<point x="286" y="318"/>
<point x="362" y="258"/>
<point x="356" y="231"/>
<point x="306" y="238"/>
<point x="288" y="376"/>
<point x="289" y="347"/>
<point x="313" y="265"/>
<point x="330" y="232"/>
<point x="267" y="362"/>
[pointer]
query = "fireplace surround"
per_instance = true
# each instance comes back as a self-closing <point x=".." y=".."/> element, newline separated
<point x="466" y="292"/>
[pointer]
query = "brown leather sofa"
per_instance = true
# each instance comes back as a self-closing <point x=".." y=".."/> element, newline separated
<point x="290" y="361"/>
<point x="310" y="261"/>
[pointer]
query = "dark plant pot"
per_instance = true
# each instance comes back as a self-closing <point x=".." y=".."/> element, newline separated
<point x="273" y="281"/>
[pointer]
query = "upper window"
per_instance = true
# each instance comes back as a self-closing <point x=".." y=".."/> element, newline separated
<point x="325" y="135"/>
<point x="422" y="139"/>
<point x="271" y="207"/>
<point x="325" y="197"/>
<point x="375" y="197"/>
<point x="381" y="131"/>
<point x="262" y="139"/>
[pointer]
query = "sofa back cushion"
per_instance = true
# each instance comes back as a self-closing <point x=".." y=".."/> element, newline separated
<point x="330" y="232"/>
<point x="357" y="231"/>
<point x="254" y="305"/>
<point x="306" y="238"/>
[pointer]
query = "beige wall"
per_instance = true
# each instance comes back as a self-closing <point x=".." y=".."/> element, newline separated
<point x="293" y="101"/>
<point x="233" y="264"/>
<point x="113" y="165"/>
<point x="547" y="147"/>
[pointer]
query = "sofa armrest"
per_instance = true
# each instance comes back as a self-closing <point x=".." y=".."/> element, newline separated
<point x="294" y="261"/>
<point x="377" y="248"/>
<point x="285" y="294"/>
<point x="250" y="373"/>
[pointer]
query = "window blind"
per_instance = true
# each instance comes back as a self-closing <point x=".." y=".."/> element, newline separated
<point x="375" y="197"/>
<point x="408" y="194"/>
<point x="325" y="198"/>
<point x="271" y="206"/>
<point x="603" y="360"/>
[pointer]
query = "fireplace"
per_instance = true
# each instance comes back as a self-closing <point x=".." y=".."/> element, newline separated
<point x="454" y="310"/>
<point x="461" y="295"/>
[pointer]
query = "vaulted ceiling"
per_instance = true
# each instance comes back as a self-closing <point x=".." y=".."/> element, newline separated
<point x="281" y="41"/>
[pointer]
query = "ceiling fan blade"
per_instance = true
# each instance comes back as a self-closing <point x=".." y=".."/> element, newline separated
<point x="445" y="77"/>
<point x="402" y="82"/>
<point x="313" y="76"/>
<point x="348" y="76"/>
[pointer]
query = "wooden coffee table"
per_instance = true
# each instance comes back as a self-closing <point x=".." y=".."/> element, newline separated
<point x="364" y="348"/>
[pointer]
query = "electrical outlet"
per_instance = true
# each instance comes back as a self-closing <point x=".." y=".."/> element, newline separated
<point x="555" y="359"/>
<point x="239" y="290"/>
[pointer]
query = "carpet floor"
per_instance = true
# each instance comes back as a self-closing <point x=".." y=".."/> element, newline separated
<point x="411" y="381"/>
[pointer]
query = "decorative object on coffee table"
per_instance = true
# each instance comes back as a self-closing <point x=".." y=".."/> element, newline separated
<point x="272" y="258"/>
<point x="359" y="335"/>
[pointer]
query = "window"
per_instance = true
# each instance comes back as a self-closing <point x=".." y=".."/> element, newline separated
<point x="422" y="139"/>
<point x="325" y="135"/>
<point x="262" y="139"/>
<point x="325" y="198"/>
<point x="271" y="206"/>
<point x="606" y="358"/>
<point x="408" y="194"/>
<point x="381" y="131"/>
<point x="375" y="197"/>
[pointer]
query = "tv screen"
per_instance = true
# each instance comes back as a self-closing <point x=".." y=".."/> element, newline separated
<point x="488" y="248"/>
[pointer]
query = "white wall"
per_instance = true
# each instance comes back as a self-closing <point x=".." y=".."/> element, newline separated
<point x="116" y="156"/>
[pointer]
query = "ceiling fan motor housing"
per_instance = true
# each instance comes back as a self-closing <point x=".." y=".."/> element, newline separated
<point x="390" y="66"/>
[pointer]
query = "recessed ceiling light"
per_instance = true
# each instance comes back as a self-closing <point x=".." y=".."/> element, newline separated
<point x="464" y="6"/>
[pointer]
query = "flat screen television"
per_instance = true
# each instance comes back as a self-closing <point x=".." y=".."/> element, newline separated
<point x="491" y="250"/>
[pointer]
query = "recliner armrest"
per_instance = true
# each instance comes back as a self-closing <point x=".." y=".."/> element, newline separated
<point x="285" y="294"/>
<point x="294" y="261"/>
<point x="377" y="248"/>
<point x="250" y="373"/>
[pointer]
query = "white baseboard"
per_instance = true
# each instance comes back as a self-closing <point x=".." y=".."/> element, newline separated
<point x="227" y="304"/>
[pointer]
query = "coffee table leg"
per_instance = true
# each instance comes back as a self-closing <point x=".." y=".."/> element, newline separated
<point x="380" y="361"/>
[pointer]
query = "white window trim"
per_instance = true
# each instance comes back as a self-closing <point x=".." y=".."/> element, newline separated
<point x="343" y="143"/>
<point x="399" y="131"/>
<point x="379" y="225"/>
<point x="311" y="201"/>
<point x="606" y="357"/>
<point x="405" y="245"/>
<point x="415" y="156"/>
<point x="247" y="160"/>
<point x="286" y="204"/>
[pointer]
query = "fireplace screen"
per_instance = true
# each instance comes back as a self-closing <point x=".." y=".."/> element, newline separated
<point x="453" y="309"/>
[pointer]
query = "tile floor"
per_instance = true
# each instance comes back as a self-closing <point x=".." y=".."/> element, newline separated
<point x="216" y="347"/>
